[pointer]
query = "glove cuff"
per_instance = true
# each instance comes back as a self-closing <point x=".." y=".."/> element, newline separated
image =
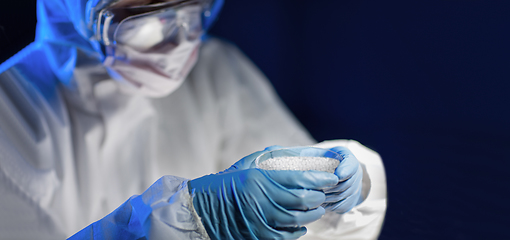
<point x="201" y="228"/>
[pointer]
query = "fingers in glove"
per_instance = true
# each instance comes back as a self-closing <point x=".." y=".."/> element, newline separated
<point x="345" y="205"/>
<point x="354" y="180"/>
<point x="297" y="199"/>
<point x="345" y="189"/>
<point x="284" y="233"/>
<point x="293" y="218"/>
<point x="349" y="164"/>
<point x="271" y="148"/>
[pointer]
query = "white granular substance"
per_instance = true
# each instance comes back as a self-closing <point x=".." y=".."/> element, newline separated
<point x="300" y="164"/>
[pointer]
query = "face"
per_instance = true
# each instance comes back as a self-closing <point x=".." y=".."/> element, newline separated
<point x="151" y="54"/>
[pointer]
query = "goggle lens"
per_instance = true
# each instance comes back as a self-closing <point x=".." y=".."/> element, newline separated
<point x="114" y="22"/>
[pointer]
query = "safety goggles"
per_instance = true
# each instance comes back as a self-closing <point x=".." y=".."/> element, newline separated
<point x="192" y="15"/>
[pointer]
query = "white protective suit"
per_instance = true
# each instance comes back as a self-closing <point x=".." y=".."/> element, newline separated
<point x="71" y="156"/>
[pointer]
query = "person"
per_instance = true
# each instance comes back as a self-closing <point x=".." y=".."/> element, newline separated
<point x="113" y="95"/>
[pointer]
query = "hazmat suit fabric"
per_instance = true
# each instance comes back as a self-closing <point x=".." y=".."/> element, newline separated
<point x="75" y="151"/>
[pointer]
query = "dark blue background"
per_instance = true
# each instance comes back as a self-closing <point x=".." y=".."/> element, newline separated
<point x="424" y="83"/>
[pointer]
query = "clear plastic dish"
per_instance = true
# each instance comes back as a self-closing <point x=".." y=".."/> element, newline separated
<point x="299" y="159"/>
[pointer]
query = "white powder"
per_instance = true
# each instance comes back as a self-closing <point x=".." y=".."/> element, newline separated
<point x="301" y="164"/>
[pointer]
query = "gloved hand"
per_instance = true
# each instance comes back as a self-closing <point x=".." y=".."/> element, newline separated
<point x="341" y="198"/>
<point x="347" y="193"/>
<point x="259" y="204"/>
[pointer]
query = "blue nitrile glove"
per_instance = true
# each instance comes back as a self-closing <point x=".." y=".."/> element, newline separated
<point x="259" y="204"/>
<point x="341" y="198"/>
<point x="347" y="193"/>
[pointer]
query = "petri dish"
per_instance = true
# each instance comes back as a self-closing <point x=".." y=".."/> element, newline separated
<point x="299" y="159"/>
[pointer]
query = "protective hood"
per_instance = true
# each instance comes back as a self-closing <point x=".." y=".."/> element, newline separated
<point x="62" y="27"/>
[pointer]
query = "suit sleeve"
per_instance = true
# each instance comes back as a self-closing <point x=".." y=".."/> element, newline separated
<point x="164" y="211"/>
